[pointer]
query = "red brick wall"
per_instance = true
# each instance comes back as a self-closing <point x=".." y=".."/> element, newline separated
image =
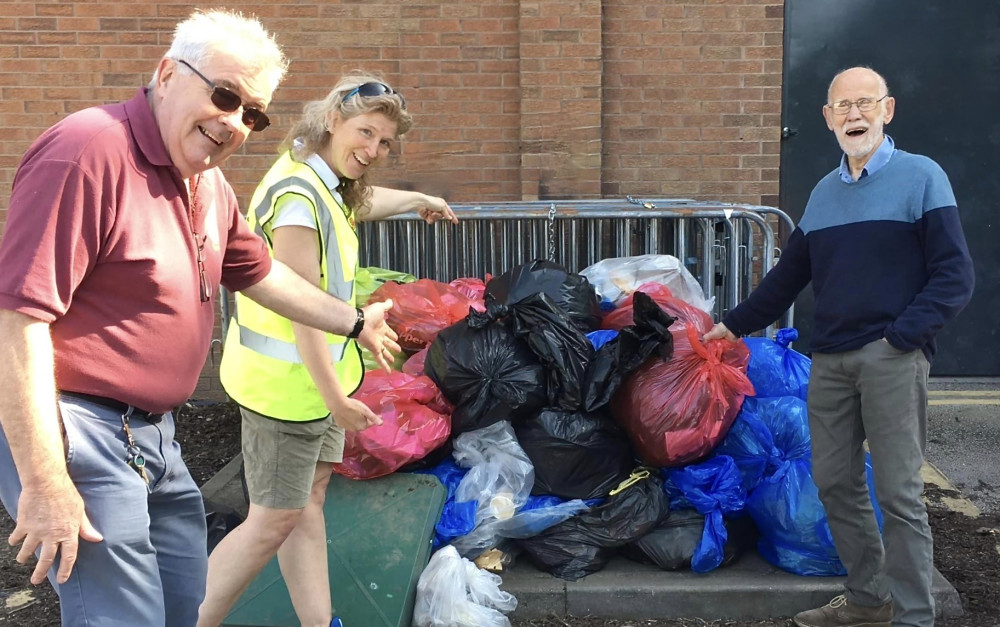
<point x="513" y="99"/>
<point x="692" y="99"/>
<point x="560" y="76"/>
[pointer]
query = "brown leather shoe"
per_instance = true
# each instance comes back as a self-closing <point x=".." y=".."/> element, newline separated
<point x="842" y="613"/>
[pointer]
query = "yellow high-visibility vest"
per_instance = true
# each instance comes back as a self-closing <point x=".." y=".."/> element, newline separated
<point x="261" y="367"/>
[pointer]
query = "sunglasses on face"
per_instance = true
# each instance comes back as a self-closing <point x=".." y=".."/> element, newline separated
<point x="374" y="89"/>
<point x="227" y="101"/>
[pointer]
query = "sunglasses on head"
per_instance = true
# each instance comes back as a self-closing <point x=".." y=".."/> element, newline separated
<point x="227" y="101"/>
<point x="374" y="89"/>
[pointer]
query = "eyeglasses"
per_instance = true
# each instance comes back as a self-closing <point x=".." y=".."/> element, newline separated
<point x="227" y="101"/>
<point x="375" y="89"/>
<point x="843" y="107"/>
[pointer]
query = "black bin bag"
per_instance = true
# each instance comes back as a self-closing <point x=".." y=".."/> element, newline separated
<point x="510" y="361"/>
<point x="615" y="360"/>
<point x="584" y="544"/>
<point x="674" y="541"/>
<point x="487" y="373"/>
<point x="580" y="378"/>
<point x="576" y="455"/>
<point x="572" y="293"/>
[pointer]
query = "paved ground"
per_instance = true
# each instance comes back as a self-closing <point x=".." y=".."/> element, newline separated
<point x="963" y="437"/>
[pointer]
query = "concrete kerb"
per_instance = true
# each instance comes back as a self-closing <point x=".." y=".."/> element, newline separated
<point x="748" y="589"/>
<point x="932" y="474"/>
<point x="226" y="486"/>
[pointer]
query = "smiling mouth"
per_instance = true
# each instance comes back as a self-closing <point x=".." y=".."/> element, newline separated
<point x="360" y="160"/>
<point x="856" y="132"/>
<point x="215" y="140"/>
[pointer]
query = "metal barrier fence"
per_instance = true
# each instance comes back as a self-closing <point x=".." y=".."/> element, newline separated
<point x="727" y="247"/>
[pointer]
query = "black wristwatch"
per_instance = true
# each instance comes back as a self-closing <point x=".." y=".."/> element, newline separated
<point x="359" y="325"/>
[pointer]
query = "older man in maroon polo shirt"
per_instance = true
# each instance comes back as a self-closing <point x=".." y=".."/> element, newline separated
<point x="120" y="230"/>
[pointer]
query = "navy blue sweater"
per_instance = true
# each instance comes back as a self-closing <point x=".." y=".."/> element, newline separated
<point x="886" y="256"/>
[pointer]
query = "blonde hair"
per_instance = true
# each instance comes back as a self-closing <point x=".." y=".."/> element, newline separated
<point x="314" y="134"/>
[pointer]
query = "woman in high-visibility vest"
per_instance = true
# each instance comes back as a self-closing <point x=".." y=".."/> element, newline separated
<point x="293" y="383"/>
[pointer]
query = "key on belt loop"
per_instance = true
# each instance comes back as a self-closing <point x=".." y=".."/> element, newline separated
<point x="132" y="450"/>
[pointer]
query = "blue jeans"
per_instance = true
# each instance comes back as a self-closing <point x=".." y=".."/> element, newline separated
<point x="150" y="568"/>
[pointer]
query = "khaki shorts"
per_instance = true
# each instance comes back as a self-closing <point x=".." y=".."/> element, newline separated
<point x="279" y="457"/>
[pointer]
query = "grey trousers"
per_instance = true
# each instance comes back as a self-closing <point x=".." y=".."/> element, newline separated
<point x="876" y="393"/>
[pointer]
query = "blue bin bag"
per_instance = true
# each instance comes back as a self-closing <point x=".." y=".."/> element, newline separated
<point x="785" y="505"/>
<point x="775" y="369"/>
<point x="457" y="518"/>
<point x="601" y="337"/>
<point x="714" y="488"/>
<point x="751" y="445"/>
<point x="788" y="549"/>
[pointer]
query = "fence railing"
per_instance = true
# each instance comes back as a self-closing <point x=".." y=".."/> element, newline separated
<point x="727" y="247"/>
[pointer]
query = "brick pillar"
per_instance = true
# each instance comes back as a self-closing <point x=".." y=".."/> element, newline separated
<point x="561" y="64"/>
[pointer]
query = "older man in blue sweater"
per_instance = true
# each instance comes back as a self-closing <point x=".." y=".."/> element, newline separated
<point x="882" y="243"/>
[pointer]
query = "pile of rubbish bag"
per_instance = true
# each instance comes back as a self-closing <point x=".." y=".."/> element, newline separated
<point x="573" y="417"/>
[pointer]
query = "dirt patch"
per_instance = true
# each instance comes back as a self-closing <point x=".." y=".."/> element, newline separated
<point x="965" y="549"/>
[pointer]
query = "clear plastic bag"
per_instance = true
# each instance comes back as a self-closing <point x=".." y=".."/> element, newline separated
<point x="500" y="474"/>
<point x="616" y="278"/>
<point x="524" y="524"/>
<point x="454" y="592"/>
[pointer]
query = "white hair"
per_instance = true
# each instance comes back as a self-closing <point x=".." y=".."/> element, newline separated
<point x="881" y="79"/>
<point x="206" y="33"/>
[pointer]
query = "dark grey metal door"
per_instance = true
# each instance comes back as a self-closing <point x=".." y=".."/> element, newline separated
<point x="942" y="61"/>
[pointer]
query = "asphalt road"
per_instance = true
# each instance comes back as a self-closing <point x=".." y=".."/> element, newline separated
<point x="963" y="437"/>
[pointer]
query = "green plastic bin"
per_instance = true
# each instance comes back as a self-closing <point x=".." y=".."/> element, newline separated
<point x="379" y="536"/>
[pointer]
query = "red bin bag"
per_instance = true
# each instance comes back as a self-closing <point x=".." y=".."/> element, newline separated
<point x="685" y="312"/>
<point x="416" y="419"/>
<point x="422" y="308"/>
<point x="675" y="412"/>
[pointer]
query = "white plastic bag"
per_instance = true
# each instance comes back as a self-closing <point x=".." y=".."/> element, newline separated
<point x="454" y="592"/>
<point x="614" y="279"/>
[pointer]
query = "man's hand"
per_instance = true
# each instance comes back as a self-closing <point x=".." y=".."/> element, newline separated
<point x="434" y="209"/>
<point x="53" y="520"/>
<point x="353" y="415"/>
<point x="377" y="337"/>
<point x="718" y="332"/>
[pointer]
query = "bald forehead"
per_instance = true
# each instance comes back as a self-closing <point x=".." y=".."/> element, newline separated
<point x="857" y="78"/>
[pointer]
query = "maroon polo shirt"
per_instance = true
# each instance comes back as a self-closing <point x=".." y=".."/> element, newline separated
<point x="99" y="244"/>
